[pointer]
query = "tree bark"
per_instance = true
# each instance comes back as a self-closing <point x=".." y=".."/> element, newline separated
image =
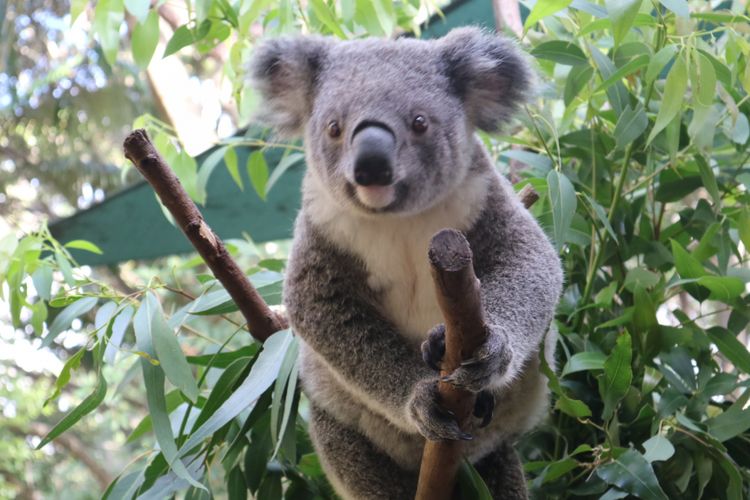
<point x="261" y="320"/>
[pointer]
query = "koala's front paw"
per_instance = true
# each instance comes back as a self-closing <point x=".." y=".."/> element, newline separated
<point x="432" y="420"/>
<point x="433" y="349"/>
<point x="492" y="358"/>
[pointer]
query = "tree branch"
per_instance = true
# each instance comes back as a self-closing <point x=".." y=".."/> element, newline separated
<point x="261" y="320"/>
<point x="458" y="294"/>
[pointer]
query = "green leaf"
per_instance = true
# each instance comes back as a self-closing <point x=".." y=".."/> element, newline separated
<point x="617" y="94"/>
<point x="84" y="245"/>
<point x="261" y="377"/>
<point x="287" y="365"/>
<point x="42" y="279"/>
<point x="283" y="165"/>
<point x="139" y="8"/>
<point x="640" y="277"/>
<point x="614" y="383"/>
<point x="186" y="169"/>
<point x="145" y="38"/>
<point x="628" y="69"/>
<point x="328" y="18"/>
<point x="733" y="421"/>
<point x="686" y="264"/>
<point x="385" y="15"/>
<point x="89" y="404"/>
<point x="630" y="125"/>
<point x="577" y="79"/>
<point x="168" y="352"/>
<point x="564" y="403"/>
<point x="72" y="364"/>
<point x="470" y="483"/>
<point x="543" y="9"/>
<point x="702" y="80"/>
<point x="173" y="400"/>
<point x="257" y="169"/>
<point x="223" y="389"/>
<point x="153" y="377"/>
<point x="561" y="52"/>
<point x="722" y="288"/>
<point x="182" y="37"/>
<point x="743" y="227"/>
<point x="584" y="361"/>
<point x="632" y="473"/>
<point x="734" y="350"/>
<point x="679" y="7"/>
<point x="236" y="487"/>
<point x="63" y="320"/>
<point x="76" y="9"/>
<point x="622" y="14"/>
<point x="108" y="17"/>
<point x="658" y="62"/>
<point x="562" y="196"/>
<point x="709" y="179"/>
<point x="672" y="97"/>
<point x="657" y="448"/>
<point x="741" y="129"/>
<point x="230" y="159"/>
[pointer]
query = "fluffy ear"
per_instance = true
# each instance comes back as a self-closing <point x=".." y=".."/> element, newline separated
<point x="490" y="74"/>
<point x="284" y="71"/>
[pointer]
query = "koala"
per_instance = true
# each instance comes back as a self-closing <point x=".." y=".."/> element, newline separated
<point x="393" y="157"/>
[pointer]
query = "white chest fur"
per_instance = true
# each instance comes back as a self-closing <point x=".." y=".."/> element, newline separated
<point x="394" y="250"/>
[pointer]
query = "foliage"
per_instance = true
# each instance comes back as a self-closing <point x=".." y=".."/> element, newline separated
<point x="640" y="143"/>
<point x="638" y="148"/>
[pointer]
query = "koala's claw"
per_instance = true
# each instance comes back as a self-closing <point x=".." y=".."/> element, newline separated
<point x="475" y="373"/>
<point x="484" y="407"/>
<point x="432" y="420"/>
<point x="433" y="349"/>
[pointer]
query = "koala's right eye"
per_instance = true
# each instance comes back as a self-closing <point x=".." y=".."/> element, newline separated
<point x="334" y="131"/>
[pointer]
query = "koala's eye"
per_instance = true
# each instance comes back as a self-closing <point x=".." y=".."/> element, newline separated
<point x="419" y="125"/>
<point x="334" y="131"/>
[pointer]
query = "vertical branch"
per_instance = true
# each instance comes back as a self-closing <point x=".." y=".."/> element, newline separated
<point x="261" y="320"/>
<point x="458" y="295"/>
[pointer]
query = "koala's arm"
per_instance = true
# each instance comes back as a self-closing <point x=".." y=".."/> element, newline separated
<point x="332" y="308"/>
<point x="521" y="281"/>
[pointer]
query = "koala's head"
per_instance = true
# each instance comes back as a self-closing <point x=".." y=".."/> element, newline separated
<point x="388" y="124"/>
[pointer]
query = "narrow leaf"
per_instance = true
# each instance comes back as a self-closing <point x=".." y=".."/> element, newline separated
<point x="674" y="93"/>
<point x="261" y="377"/>
<point x="145" y="38"/>
<point x="63" y="320"/>
<point x="543" y="9"/>
<point x="89" y="404"/>
<point x="154" y="380"/>
<point x="257" y="169"/>
<point x="84" y="245"/>
<point x="632" y="473"/>
<point x="618" y="374"/>
<point x="622" y="14"/>
<point x="562" y="196"/>
<point x="169" y="353"/>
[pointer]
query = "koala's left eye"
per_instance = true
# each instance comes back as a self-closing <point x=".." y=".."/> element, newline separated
<point x="334" y="130"/>
<point x="419" y="125"/>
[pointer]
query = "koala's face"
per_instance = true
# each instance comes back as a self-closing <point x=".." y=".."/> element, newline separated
<point x="388" y="124"/>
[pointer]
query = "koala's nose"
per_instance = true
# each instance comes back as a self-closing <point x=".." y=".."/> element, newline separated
<point x="374" y="148"/>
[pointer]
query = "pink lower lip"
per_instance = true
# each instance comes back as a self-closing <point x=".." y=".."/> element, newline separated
<point x="375" y="196"/>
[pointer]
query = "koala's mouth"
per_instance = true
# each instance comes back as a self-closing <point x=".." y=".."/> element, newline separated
<point x="381" y="199"/>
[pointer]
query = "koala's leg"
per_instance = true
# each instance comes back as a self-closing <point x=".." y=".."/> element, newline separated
<point x="503" y="474"/>
<point x="355" y="468"/>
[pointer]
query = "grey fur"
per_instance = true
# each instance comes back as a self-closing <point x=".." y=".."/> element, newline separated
<point x="358" y="291"/>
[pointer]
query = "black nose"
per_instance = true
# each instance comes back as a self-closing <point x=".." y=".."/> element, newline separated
<point x="374" y="147"/>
